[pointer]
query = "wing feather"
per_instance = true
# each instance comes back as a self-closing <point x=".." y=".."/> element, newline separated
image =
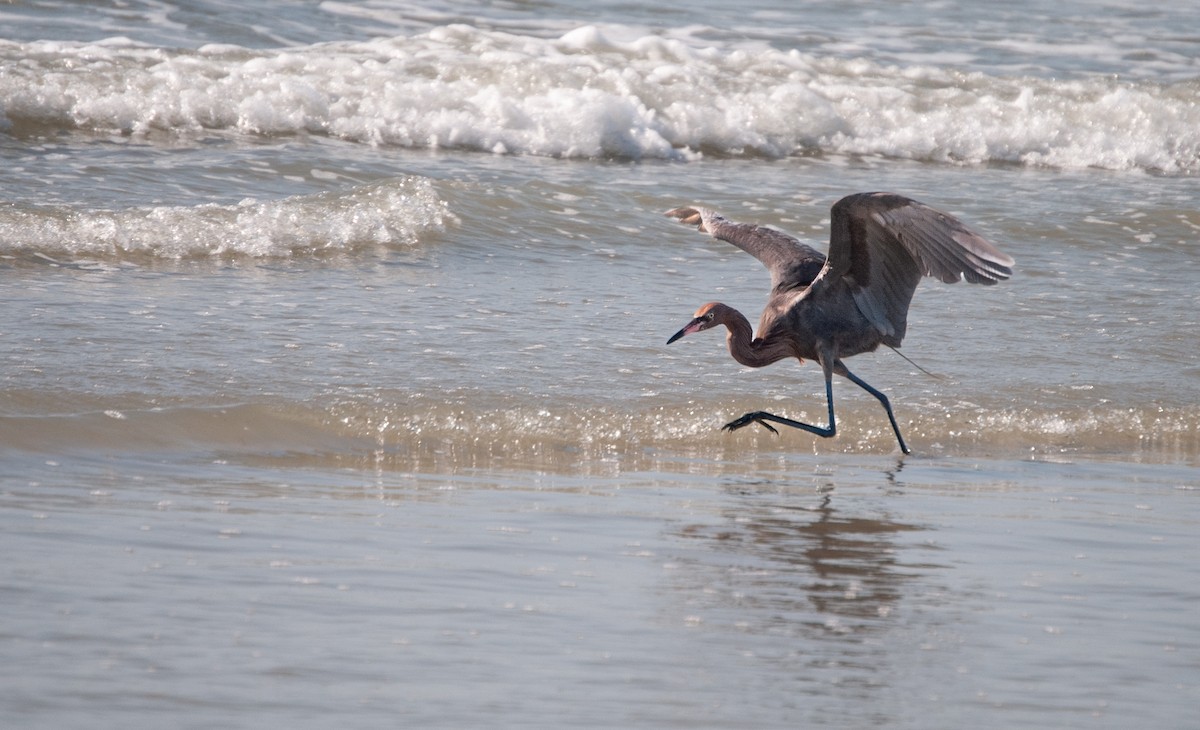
<point x="881" y="245"/>
<point x="792" y="264"/>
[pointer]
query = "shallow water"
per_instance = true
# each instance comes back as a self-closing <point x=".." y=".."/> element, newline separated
<point x="335" y="384"/>
<point x="781" y="590"/>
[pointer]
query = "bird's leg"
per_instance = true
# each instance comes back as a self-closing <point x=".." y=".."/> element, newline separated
<point x="887" y="406"/>
<point x="762" y="417"/>
<point x="830" y="366"/>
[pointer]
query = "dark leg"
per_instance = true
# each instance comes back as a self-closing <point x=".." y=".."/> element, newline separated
<point x="762" y="417"/>
<point x="887" y="406"/>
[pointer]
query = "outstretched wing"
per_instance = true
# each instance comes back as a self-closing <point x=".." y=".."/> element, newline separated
<point x="881" y="245"/>
<point x="793" y="265"/>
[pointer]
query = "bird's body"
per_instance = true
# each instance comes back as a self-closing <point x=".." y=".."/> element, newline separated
<point x="828" y="308"/>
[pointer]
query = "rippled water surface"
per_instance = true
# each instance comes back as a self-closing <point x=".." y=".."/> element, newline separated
<point x="335" y="388"/>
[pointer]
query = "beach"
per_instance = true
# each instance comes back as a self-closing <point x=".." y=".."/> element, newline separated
<point x="336" y="387"/>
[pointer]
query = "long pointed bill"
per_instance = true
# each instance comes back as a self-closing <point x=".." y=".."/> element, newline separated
<point x="693" y="326"/>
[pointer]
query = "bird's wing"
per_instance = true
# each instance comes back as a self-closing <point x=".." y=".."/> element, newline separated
<point x="792" y="264"/>
<point x="881" y="245"/>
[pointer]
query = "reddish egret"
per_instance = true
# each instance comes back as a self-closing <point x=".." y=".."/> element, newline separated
<point x="828" y="309"/>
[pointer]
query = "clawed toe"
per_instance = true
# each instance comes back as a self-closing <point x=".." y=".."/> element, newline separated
<point x="746" y="420"/>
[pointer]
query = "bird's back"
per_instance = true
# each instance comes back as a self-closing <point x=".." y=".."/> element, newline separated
<point x="810" y="319"/>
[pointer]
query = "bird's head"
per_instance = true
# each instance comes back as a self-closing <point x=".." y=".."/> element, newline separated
<point x="707" y="317"/>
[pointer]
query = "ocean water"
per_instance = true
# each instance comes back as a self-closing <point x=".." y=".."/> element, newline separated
<point x="335" y="388"/>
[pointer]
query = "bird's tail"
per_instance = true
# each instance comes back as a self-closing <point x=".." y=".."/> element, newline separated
<point x="935" y="376"/>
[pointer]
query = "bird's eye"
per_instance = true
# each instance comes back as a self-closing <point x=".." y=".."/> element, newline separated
<point x="710" y="316"/>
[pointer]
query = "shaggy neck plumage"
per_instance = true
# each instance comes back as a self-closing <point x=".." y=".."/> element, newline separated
<point x="747" y="350"/>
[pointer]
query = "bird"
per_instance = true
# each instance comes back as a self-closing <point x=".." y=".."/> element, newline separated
<point x="829" y="308"/>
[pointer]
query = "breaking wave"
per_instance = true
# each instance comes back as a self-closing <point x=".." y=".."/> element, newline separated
<point x="390" y="213"/>
<point x="584" y="95"/>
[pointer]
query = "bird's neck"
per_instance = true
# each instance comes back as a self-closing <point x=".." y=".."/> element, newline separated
<point x="749" y="351"/>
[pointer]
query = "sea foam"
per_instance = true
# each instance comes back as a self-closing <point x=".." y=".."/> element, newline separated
<point x="585" y="95"/>
<point x="395" y="212"/>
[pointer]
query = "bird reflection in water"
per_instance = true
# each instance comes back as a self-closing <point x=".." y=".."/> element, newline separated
<point x="780" y="567"/>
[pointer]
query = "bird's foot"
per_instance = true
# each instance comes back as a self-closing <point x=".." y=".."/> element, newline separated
<point x="758" y="417"/>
